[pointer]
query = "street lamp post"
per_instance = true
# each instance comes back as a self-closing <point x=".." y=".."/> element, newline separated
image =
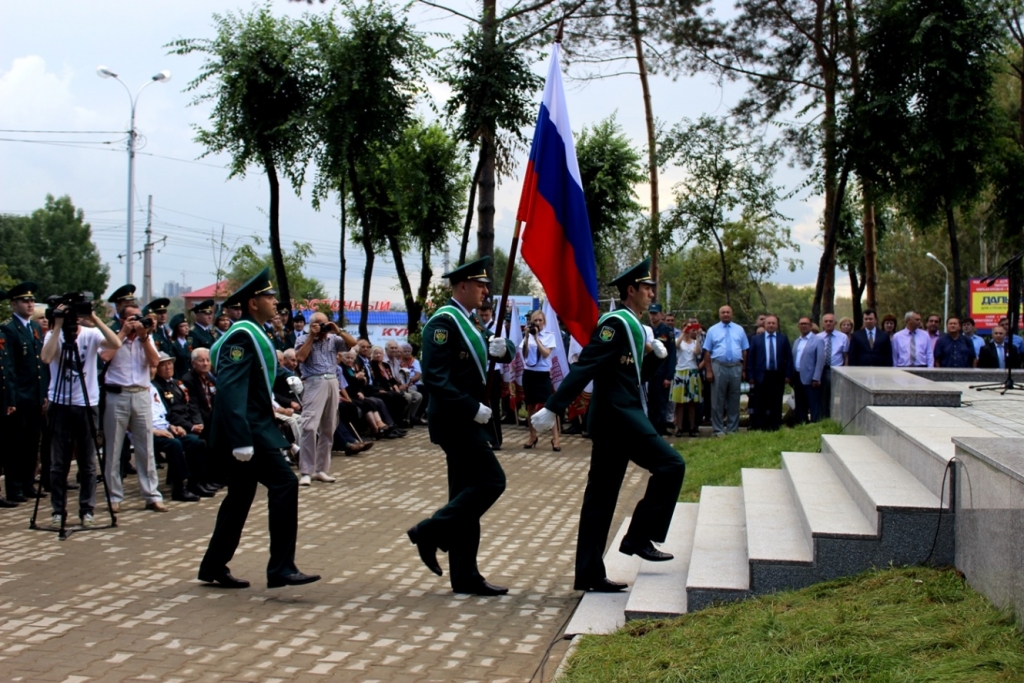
<point x="161" y="77"/>
<point x="945" y="310"/>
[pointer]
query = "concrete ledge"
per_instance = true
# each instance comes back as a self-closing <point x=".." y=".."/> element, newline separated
<point x="990" y="519"/>
<point x="855" y="388"/>
<point x="971" y="375"/>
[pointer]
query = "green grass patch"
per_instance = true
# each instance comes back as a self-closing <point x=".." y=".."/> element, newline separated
<point x="912" y="624"/>
<point x="717" y="462"/>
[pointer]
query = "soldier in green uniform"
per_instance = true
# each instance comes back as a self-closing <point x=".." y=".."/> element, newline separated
<point x="233" y="309"/>
<point x="244" y="435"/>
<point x="24" y="342"/>
<point x="161" y="333"/>
<point x="456" y="351"/>
<point x="122" y="296"/>
<point x="181" y="347"/>
<point x="203" y="334"/>
<point x="7" y="398"/>
<point x="617" y="361"/>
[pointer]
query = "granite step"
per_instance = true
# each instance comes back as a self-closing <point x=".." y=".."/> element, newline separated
<point x="826" y="508"/>
<point x="603" y="613"/>
<point x="775" y="533"/>
<point x="659" y="590"/>
<point x="719" y="570"/>
<point x="876" y="481"/>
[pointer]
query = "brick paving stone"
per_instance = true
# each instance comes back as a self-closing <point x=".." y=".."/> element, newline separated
<point x="123" y="604"/>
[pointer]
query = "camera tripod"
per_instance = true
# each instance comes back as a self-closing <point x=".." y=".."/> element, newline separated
<point x="69" y="369"/>
<point x="1006" y="385"/>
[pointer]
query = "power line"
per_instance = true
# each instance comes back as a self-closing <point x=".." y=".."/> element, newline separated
<point x="63" y="132"/>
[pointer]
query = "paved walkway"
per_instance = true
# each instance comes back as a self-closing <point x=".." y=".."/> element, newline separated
<point x="123" y="604"/>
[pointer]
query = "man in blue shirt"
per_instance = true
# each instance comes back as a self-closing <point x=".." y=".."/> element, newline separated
<point x="725" y="349"/>
<point x="967" y="327"/>
<point x="953" y="350"/>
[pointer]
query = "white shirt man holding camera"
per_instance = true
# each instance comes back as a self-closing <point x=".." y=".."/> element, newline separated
<point x="73" y="414"/>
<point x="128" y="408"/>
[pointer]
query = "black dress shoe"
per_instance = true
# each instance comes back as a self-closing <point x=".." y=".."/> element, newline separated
<point x="201" y="491"/>
<point x="428" y="552"/>
<point x="599" y="586"/>
<point x="296" y="579"/>
<point x="223" y="579"/>
<point x="482" y="588"/>
<point x="645" y="551"/>
<point x="16" y="498"/>
<point x="184" y="496"/>
<point x="4" y="503"/>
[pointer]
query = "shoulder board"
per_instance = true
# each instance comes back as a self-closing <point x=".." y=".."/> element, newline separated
<point x="6" y="322"/>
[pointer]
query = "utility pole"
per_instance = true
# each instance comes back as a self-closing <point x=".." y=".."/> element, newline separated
<point x="147" y="259"/>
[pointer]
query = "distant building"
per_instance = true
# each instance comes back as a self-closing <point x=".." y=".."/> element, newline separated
<point x="173" y="289"/>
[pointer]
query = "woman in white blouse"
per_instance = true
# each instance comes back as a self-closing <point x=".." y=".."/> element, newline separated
<point x="686" y="385"/>
<point x="538" y="344"/>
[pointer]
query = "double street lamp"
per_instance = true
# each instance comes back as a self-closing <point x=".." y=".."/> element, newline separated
<point x="945" y="311"/>
<point x="161" y="77"/>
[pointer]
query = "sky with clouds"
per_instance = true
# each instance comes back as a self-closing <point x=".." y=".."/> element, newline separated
<point x="48" y="82"/>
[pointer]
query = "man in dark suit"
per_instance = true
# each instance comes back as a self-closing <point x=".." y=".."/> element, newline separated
<point x="618" y="360"/>
<point x="870" y="346"/>
<point x="769" y="366"/>
<point x="244" y="434"/>
<point x="1000" y="354"/>
<point x="23" y="339"/>
<point x="456" y="351"/>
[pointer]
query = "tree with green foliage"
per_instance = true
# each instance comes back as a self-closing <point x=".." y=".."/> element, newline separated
<point x="926" y="116"/>
<point x="728" y="198"/>
<point x="369" y="77"/>
<point x="610" y="168"/>
<point x="247" y="261"/>
<point x="53" y="247"/>
<point x="523" y="282"/>
<point x="257" y="76"/>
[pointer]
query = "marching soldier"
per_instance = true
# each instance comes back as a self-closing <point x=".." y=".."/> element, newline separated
<point x="616" y="359"/>
<point x="203" y="334"/>
<point x="7" y="398"/>
<point x="122" y="296"/>
<point x="456" y="351"/>
<point x="23" y="339"/>
<point x="181" y="345"/>
<point x="244" y="435"/>
<point x="161" y="333"/>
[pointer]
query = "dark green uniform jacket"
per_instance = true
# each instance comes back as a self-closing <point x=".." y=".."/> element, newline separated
<point x="243" y="414"/>
<point x="615" y="405"/>
<point x="452" y="377"/>
<point x="7" y="397"/>
<point x="31" y="375"/>
<point x="198" y="338"/>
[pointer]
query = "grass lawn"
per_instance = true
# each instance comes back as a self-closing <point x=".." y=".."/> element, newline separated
<point x="717" y="462"/>
<point x="913" y="624"/>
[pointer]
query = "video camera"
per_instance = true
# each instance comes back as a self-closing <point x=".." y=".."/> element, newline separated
<point x="78" y="304"/>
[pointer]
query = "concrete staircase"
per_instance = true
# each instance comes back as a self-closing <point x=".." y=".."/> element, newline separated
<point x="863" y="501"/>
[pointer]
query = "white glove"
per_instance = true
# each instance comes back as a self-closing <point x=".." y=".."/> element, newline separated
<point x="295" y="384"/>
<point x="242" y="454"/>
<point x="483" y="415"/>
<point x="659" y="349"/>
<point x="497" y="347"/>
<point x="543" y="420"/>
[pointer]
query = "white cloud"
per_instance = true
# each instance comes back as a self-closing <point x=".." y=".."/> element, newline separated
<point x="30" y="94"/>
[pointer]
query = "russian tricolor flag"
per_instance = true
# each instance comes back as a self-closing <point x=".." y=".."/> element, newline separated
<point x="556" y="235"/>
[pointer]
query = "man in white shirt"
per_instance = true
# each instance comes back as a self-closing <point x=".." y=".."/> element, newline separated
<point x="127" y="408"/>
<point x="73" y="414"/>
<point x="837" y="350"/>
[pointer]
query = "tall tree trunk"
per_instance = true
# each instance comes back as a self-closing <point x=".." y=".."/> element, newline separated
<point x="470" y="207"/>
<point x="364" y="220"/>
<point x="829" y="247"/>
<point x="275" y="232"/>
<point x="725" y="268"/>
<point x="485" y="206"/>
<point x="870" y="250"/>
<point x="652" y="151"/>
<point x="826" y="20"/>
<point x="857" y="291"/>
<point x="403" y="279"/>
<point x="341" y="259"/>
<point x="954" y="252"/>
<point x="426" y="272"/>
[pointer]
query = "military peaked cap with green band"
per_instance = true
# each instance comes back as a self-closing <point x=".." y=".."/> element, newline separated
<point x="474" y="270"/>
<point x="258" y="284"/>
<point x="203" y="307"/>
<point x="123" y="294"/>
<point x="23" y="290"/>
<point x="640" y="274"/>
<point x="156" y="306"/>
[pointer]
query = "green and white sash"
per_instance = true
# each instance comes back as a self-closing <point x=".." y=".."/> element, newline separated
<point x="637" y="339"/>
<point x="471" y="335"/>
<point x="265" y="351"/>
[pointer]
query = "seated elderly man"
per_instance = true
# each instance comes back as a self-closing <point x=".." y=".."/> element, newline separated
<point x="185" y="453"/>
<point x="405" y="383"/>
<point x="201" y="385"/>
<point x="186" y="427"/>
<point x="290" y="361"/>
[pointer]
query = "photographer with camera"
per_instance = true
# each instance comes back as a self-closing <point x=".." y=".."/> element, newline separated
<point x="73" y="414"/>
<point x="317" y="356"/>
<point x="538" y="343"/>
<point x="128" y="407"/>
